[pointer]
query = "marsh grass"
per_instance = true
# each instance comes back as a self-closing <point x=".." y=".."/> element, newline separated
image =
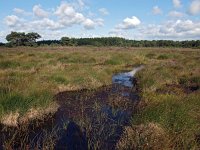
<point x="9" y="64"/>
<point x="59" y="79"/>
<point x="119" y="59"/>
<point x="77" y="58"/>
<point x="169" y="85"/>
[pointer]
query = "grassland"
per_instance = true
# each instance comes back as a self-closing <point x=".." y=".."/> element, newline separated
<point x="169" y="85"/>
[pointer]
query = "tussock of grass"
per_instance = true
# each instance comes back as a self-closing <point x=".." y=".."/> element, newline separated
<point x="148" y="136"/>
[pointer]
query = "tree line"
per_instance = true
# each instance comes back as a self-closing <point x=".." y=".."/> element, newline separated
<point x="30" y="39"/>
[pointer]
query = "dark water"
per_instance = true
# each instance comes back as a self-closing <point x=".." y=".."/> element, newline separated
<point x="84" y="118"/>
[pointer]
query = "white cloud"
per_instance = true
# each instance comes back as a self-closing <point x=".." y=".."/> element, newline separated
<point x="170" y="30"/>
<point x="175" y="14"/>
<point x="89" y="24"/>
<point x="103" y="11"/>
<point x="65" y="10"/>
<point x="68" y="16"/>
<point x="81" y="3"/>
<point x="46" y="23"/>
<point x="180" y="30"/>
<point x="121" y="30"/>
<point x="156" y="10"/>
<point x="129" y="23"/>
<point x="18" y="11"/>
<point x="12" y="20"/>
<point x="39" y="12"/>
<point x="3" y="35"/>
<point x="194" y="8"/>
<point x="65" y="15"/>
<point x="99" y="22"/>
<point x="176" y="3"/>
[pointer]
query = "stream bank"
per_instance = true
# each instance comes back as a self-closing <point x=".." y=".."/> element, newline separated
<point x="86" y="119"/>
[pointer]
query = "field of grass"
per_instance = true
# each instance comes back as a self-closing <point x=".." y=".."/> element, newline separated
<point x="169" y="85"/>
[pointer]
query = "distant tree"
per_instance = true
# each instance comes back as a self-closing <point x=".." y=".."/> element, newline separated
<point x="15" y="38"/>
<point x="48" y="42"/>
<point x="22" y="39"/>
<point x="74" y="42"/>
<point x="32" y="37"/>
<point x="66" y="41"/>
<point x="29" y="39"/>
<point x="2" y="44"/>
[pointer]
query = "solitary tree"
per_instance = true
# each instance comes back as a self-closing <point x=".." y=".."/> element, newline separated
<point x="22" y="39"/>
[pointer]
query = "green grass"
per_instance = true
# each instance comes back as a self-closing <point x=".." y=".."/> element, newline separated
<point x="30" y="78"/>
<point x="9" y="64"/>
<point x="119" y="59"/>
<point x="16" y="102"/>
<point x="77" y="58"/>
<point x="59" y="79"/>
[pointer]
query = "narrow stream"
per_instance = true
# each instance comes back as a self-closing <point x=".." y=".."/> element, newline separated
<point x="86" y="119"/>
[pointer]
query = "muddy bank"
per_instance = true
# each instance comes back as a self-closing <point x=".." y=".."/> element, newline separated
<point x="86" y="119"/>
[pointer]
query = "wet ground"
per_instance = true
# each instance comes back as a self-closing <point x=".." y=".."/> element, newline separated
<point x="86" y="119"/>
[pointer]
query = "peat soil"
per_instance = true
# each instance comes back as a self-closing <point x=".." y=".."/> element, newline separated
<point x="86" y="119"/>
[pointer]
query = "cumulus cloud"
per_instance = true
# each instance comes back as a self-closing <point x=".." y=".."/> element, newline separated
<point x="175" y="14"/>
<point x="81" y="3"/>
<point x="65" y="10"/>
<point x="103" y="11"/>
<point x="194" y="8"/>
<point x="180" y="29"/>
<point x="46" y="23"/>
<point x="99" y="22"/>
<point x="3" y="35"/>
<point x="69" y="16"/>
<point x="121" y="30"/>
<point x="176" y="3"/>
<point x="12" y="20"/>
<point x="88" y="24"/>
<point x="156" y="10"/>
<point x="65" y="15"/>
<point x="129" y="23"/>
<point x="39" y="12"/>
<point x="19" y="11"/>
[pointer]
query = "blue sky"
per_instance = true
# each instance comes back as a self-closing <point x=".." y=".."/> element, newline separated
<point x="132" y="19"/>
